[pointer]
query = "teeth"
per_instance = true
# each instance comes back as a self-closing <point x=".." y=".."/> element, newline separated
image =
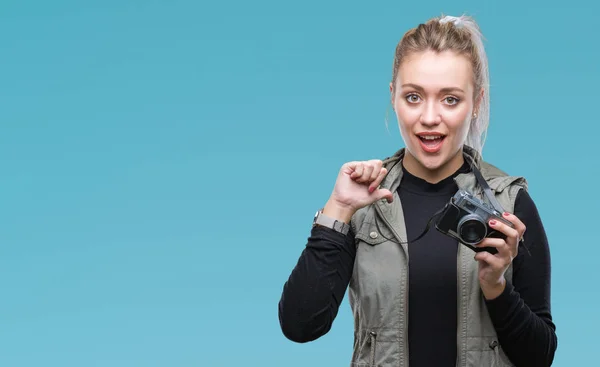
<point x="430" y="137"/>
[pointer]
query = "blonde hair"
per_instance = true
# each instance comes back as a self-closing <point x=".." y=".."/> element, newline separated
<point x="463" y="36"/>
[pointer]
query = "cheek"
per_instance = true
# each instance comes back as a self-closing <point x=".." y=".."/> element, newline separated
<point x="459" y="127"/>
<point x="459" y="120"/>
<point x="407" y="117"/>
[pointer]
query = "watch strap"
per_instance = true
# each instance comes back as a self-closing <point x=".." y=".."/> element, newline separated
<point x="325" y="221"/>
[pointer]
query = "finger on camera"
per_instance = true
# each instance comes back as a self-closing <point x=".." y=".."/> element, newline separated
<point x="504" y="228"/>
<point x="497" y="260"/>
<point x="498" y="243"/>
<point x="519" y="225"/>
<point x="489" y="258"/>
<point x="492" y="242"/>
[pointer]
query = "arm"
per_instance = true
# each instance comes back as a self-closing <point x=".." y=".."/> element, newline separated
<point x="315" y="289"/>
<point x="312" y="295"/>
<point x="521" y="314"/>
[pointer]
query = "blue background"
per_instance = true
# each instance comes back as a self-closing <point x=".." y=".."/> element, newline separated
<point x="162" y="161"/>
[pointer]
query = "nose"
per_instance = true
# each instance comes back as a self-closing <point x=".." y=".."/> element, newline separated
<point x="430" y="115"/>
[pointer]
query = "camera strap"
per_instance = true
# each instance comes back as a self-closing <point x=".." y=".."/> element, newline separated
<point x="486" y="189"/>
<point x="423" y="233"/>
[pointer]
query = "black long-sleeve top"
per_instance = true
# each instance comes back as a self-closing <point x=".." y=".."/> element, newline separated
<point x="521" y="314"/>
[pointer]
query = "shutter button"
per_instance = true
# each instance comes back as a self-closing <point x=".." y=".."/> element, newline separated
<point x="373" y="235"/>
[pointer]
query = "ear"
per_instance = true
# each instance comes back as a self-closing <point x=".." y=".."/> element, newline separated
<point x="391" y="93"/>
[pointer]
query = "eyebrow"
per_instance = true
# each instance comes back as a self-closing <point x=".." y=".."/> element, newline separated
<point x="444" y="90"/>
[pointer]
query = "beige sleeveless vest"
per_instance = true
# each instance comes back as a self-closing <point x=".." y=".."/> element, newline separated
<point x="378" y="291"/>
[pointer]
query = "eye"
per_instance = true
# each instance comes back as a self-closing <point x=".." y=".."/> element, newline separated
<point x="451" y="100"/>
<point x="412" y="98"/>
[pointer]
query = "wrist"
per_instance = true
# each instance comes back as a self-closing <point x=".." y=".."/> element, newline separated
<point x="340" y="212"/>
<point x="493" y="291"/>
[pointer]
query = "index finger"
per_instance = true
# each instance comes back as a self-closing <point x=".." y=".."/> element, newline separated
<point x="519" y="226"/>
<point x="377" y="181"/>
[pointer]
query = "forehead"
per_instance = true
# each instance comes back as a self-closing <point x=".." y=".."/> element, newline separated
<point x="433" y="70"/>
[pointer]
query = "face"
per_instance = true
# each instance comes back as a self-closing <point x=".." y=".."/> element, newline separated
<point x="434" y="105"/>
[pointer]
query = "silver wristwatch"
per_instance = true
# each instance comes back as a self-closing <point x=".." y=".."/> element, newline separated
<point x="325" y="221"/>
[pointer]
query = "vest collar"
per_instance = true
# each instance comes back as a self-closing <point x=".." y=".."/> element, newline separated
<point x="463" y="180"/>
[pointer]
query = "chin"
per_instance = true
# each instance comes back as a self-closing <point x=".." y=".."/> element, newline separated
<point x="432" y="163"/>
<point x="428" y="159"/>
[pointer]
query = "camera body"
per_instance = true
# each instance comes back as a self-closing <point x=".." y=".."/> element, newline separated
<point x="466" y="219"/>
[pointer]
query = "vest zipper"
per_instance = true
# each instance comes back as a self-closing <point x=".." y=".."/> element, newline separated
<point x="404" y="361"/>
<point x="373" y="344"/>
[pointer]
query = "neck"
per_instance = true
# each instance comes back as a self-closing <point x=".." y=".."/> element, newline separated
<point x="414" y="167"/>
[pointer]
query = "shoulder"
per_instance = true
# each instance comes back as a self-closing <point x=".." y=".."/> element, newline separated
<point x="536" y="239"/>
<point x="507" y="187"/>
<point x="525" y="206"/>
<point x="391" y="161"/>
<point x="500" y="180"/>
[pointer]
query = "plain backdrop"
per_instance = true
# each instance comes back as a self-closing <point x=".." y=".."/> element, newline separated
<point x="161" y="163"/>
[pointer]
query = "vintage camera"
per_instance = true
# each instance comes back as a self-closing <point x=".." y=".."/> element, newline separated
<point x="466" y="219"/>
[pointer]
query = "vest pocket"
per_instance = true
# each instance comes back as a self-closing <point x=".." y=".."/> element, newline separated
<point x="373" y="338"/>
<point x="367" y="356"/>
<point x="486" y="351"/>
<point x="500" y="359"/>
<point x="372" y="237"/>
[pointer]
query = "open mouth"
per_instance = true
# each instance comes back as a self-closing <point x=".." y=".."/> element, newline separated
<point x="431" y="143"/>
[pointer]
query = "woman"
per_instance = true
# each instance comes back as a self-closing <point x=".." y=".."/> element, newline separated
<point x="418" y="296"/>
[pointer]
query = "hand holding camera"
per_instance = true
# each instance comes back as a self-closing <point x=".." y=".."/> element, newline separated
<point x="493" y="235"/>
<point x="493" y="266"/>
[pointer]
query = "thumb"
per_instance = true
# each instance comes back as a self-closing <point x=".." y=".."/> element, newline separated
<point x="383" y="194"/>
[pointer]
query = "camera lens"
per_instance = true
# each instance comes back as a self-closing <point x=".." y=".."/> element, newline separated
<point x="472" y="230"/>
